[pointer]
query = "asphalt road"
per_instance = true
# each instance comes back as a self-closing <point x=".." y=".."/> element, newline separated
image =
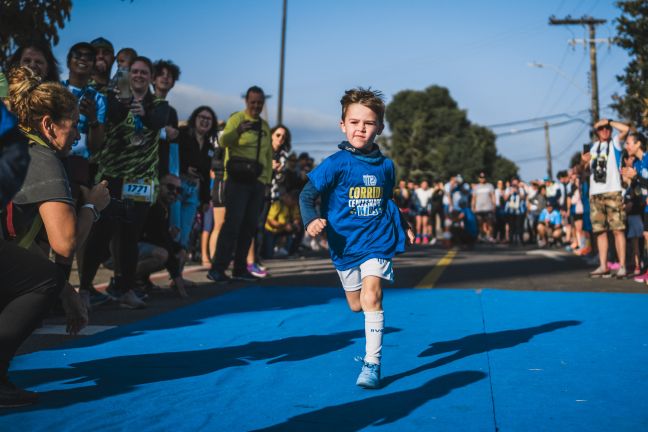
<point x="422" y="267"/>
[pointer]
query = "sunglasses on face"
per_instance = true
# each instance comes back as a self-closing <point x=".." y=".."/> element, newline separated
<point x="173" y="188"/>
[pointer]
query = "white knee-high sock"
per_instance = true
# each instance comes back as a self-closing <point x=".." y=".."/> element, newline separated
<point x="374" y="328"/>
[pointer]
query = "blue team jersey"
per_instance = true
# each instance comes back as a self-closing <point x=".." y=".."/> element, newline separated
<point x="363" y="222"/>
<point x="80" y="147"/>
<point x="553" y="218"/>
<point x="641" y="166"/>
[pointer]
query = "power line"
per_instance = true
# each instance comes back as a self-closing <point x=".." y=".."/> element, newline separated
<point x="563" y="93"/>
<point x="558" y="155"/>
<point x="553" y="82"/>
<point x="591" y="23"/>
<point x="534" y="119"/>
<point x="536" y="128"/>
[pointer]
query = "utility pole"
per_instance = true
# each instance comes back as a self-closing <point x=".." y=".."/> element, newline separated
<point x="591" y="23"/>
<point x="281" y="67"/>
<point x="548" y="150"/>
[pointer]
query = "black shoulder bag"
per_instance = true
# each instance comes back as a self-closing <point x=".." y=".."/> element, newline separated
<point x="244" y="170"/>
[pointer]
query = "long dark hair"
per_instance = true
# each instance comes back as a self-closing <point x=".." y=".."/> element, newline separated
<point x="53" y="68"/>
<point x="212" y="133"/>
<point x="287" y="146"/>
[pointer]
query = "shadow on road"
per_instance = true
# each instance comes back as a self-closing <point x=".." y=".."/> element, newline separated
<point x="478" y="344"/>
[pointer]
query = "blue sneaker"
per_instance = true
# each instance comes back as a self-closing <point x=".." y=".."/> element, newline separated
<point x="369" y="377"/>
<point x="97" y="298"/>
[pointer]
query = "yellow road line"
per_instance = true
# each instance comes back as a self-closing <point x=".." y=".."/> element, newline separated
<point x="433" y="276"/>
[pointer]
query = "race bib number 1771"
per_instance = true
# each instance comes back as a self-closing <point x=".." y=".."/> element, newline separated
<point x="138" y="190"/>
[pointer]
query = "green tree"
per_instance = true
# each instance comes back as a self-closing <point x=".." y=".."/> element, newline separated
<point x="24" y="20"/>
<point x="632" y="27"/>
<point x="431" y="137"/>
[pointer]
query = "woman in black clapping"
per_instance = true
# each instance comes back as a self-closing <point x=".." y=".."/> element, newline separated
<point x="196" y="148"/>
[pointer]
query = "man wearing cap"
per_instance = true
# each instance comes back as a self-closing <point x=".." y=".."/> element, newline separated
<point x="104" y="59"/>
<point x="92" y="104"/>
<point x="483" y="205"/>
<point x="606" y="193"/>
<point x="549" y="226"/>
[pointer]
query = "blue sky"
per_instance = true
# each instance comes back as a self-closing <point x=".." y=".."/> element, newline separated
<point x="480" y="50"/>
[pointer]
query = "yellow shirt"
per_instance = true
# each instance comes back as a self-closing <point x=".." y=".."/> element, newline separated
<point x="282" y="214"/>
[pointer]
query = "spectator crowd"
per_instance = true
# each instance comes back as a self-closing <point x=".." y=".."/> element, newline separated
<point x="596" y="208"/>
<point x="113" y="177"/>
<point x="99" y="170"/>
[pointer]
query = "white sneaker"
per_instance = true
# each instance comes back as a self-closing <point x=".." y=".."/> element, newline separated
<point x="622" y="273"/>
<point x="280" y="253"/>
<point x="314" y="245"/>
<point x="131" y="301"/>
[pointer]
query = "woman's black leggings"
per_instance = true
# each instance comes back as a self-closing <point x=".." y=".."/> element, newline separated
<point x="29" y="284"/>
<point x="112" y="234"/>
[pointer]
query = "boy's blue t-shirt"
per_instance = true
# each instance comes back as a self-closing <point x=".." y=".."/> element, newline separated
<point x="363" y="222"/>
<point x="470" y="222"/>
<point x="553" y="218"/>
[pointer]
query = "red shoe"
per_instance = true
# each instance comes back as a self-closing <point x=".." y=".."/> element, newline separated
<point x="584" y="251"/>
<point x="418" y="240"/>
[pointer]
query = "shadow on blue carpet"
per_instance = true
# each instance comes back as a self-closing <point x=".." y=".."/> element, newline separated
<point x="377" y="410"/>
<point x="479" y="343"/>
<point x="236" y="302"/>
<point x="121" y="374"/>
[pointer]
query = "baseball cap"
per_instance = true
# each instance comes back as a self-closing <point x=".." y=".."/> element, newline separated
<point x="102" y="43"/>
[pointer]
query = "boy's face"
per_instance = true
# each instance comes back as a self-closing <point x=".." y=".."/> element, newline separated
<point x="361" y="125"/>
<point x="164" y="81"/>
<point x="124" y="60"/>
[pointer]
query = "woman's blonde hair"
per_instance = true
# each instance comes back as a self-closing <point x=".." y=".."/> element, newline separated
<point x="31" y="99"/>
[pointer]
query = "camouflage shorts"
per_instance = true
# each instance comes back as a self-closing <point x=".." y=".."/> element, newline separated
<point x="607" y="212"/>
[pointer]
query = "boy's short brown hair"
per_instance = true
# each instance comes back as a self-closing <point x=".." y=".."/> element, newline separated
<point x="372" y="99"/>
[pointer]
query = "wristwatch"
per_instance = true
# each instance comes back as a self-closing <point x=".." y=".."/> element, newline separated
<point x="95" y="213"/>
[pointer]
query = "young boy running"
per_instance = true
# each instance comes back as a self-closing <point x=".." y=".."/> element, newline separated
<point x="363" y="224"/>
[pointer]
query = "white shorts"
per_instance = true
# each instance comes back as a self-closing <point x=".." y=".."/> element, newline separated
<point x="352" y="278"/>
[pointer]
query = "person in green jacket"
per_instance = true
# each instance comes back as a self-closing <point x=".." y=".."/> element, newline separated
<point x="248" y="172"/>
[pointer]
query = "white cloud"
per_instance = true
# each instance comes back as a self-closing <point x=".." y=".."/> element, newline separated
<point x="185" y="98"/>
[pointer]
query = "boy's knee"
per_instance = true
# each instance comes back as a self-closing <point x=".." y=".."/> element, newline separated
<point x="355" y="307"/>
<point x="371" y="299"/>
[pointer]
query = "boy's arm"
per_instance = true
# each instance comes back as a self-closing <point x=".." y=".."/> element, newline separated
<point x="409" y="231"/>
<point x="311" y="220"/>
